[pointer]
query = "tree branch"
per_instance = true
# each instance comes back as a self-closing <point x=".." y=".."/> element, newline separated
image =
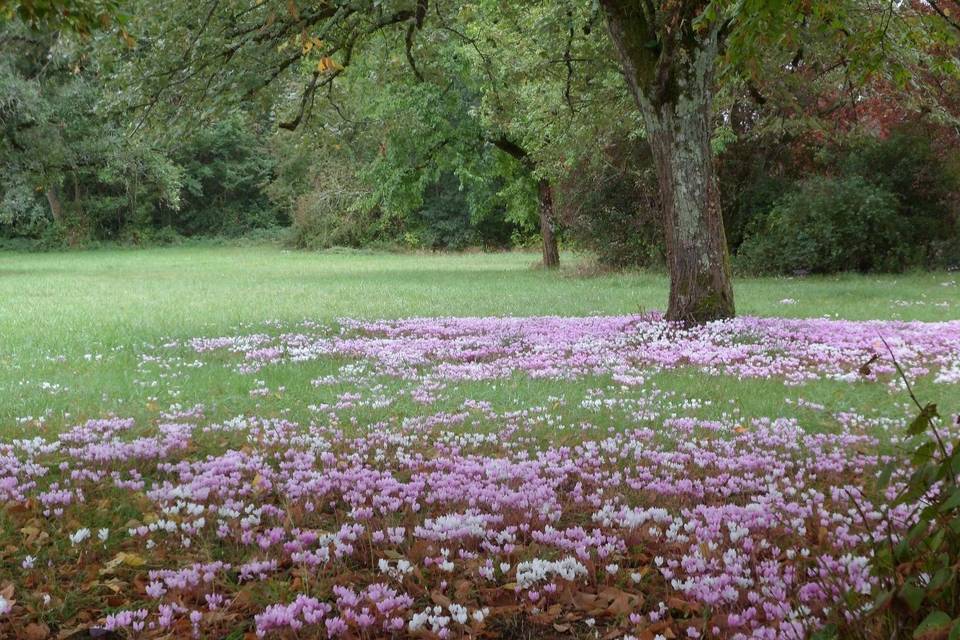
<point x="943" y="14"/>
<point x="513" y="150"/>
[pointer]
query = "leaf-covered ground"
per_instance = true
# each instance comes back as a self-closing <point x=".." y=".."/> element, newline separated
<point x="465" y="477"/>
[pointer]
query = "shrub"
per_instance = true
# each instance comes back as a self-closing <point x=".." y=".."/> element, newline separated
<point x="449" y="219"/>
<point x="917" y="592"/>
<point x="923" y="181"/>
<point x="150" y="236"/>
<point x="226" y="168"/>
<point x="23" y="208"/>
<point x="443" y="221"/>
<point x="749" y="203"/>
<point x="827" y="225"/>
<point x="612" y="208"/>
<point x="919" y="581"/>
<point x="330" y="213"/>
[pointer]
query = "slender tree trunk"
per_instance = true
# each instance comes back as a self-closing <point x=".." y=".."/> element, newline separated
<point x="674" y="91"/>
<point x="56" y="206"/>
<point x="551" y="255"/>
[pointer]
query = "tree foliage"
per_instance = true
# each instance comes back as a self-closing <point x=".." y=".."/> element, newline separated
<point x="355" y="120"/>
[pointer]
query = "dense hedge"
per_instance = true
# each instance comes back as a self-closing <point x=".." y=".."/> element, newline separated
<point x="825" y="225"/>
<point x="864" y="203"/>
<point x="886" y="205"/>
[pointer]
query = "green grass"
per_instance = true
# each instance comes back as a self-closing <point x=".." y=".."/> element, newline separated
<point x="114" y="302"/>
<point x="67" y="300"/>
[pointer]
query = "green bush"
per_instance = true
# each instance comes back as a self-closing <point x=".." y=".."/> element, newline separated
<point x="918" y="589"/>
<point x="923" y="181"/>
<point x="620" y="237"/>
<point x="827" y="225"/>
<point x="151" y="237"/>
<point x="916" y="593"/>
<point x="443" y="220"/>
<point x="754" y="173"/>
<point x="780" y="217"/>
<point x="318" y="225"/>
<point x="446" y="219"/>
<point x="331" y="212"/>
<point x="752" y="201"/>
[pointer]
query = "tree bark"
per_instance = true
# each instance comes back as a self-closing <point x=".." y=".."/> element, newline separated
<point x="673" y="85"/>
<point x="551" y="255"/>
<point x="56" y="206"/>
<point x="700" y="286"/>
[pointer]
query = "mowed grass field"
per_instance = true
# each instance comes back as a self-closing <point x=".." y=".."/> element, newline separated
<point x="68" y="301"/>
<point x="73" y="325"/>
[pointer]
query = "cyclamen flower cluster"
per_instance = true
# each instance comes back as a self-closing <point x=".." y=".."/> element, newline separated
<point x="759" y="519"/>
<point x="438" y="620"/>
<point x="534" y="571"/>
<point x="796" y="350"/>
<point x="304" y="610"/>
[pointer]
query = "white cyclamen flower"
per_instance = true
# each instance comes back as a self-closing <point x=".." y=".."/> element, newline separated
<point x="79" y="535"/>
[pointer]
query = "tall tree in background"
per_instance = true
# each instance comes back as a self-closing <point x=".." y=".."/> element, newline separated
<point x="677" y="54"/>
<point x="62" y="157"/>
<point x="545" y="76"/>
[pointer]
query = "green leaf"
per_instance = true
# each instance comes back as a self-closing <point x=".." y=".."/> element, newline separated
<point x="912" y="595"/>
<point x="941" y="577"/>
<point x="936" y="622"/>
<point x="924" y="452"/>
<point x="922" y="422"/>
<point x="882" y="600"/>
<point x="955" y="630"/>
<point x="829" y="632"/>
<point x="883" y="481"/>
<point x="952" y="502"/>
<point x="937" y="539"/>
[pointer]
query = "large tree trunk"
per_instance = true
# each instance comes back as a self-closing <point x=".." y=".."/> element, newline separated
<point x="551" y="256"/>
<point x="674" y="90"/>
<point x="700" y="288"/>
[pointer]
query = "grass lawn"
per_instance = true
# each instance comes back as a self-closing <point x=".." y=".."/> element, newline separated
<point x="493" y="426"/>
<point x="58" y="307"/>
<point x="71" y="301"/>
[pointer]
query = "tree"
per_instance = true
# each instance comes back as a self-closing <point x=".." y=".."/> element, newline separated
<point x="322" y="40"/>
<point x="670" y="61"/>
<point x="59" y="149"/>
<point x="197" y="58"/>
<point x="545" y="76"/>
<point x="675" y="55"/>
